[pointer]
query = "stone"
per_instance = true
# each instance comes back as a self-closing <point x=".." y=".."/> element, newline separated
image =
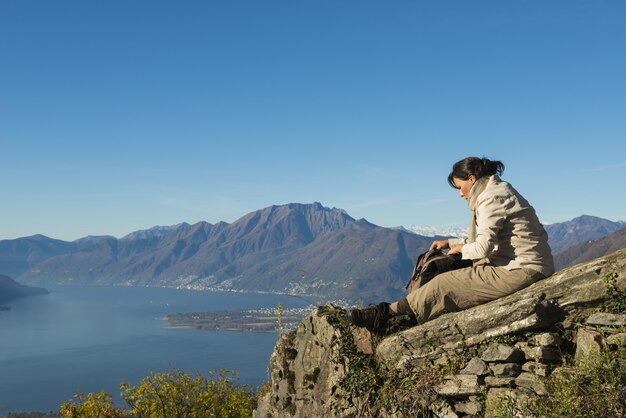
<point x="451" y="332"/>
<point x="499" y="381"/>
<point x="460" y="385"/>
<point x="304" y="373"/>
<point x="549" y="339"/>
<point x="543" y="354"/>
<point x="534" y="367"/>
<point x="532" y="382"/>
<point x="363" y="340"/>
<point x="616" y="340"/>
<point x="497" y="352"/>
<point x="521" y="345"/>
<point x="469" y="407"/>
<point x="505" y="369"/>
<point x="476" y="367"/>
<point x="587" y="342"/>
<point x="607" y="319"/>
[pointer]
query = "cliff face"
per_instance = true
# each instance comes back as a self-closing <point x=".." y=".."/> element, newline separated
<point x="455" y="365"/>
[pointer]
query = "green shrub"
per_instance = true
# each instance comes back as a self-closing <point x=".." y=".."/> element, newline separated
<point x="595" y="387"/>
<point x="171" y="394"/>
<point x="93" y="405"/>
<point x="617" y="299"/>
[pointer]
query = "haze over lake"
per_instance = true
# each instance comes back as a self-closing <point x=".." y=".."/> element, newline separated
<point x="90" y="339"/>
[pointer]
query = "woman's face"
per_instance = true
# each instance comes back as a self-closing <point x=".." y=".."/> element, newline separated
<point x="464" y="186"/>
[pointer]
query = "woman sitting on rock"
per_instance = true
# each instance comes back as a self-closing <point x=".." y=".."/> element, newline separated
<point x="507" y="244"/>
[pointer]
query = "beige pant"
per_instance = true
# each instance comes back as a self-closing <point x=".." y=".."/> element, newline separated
<point x="461" y="289"/>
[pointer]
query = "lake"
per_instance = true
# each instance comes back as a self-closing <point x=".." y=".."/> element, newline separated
<point x="89" y="339"/>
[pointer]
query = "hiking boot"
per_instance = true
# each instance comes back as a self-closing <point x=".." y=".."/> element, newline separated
<point x="373" y="317"/>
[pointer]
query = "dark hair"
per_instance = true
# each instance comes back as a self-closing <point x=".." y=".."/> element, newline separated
<point x="474" y="166"/>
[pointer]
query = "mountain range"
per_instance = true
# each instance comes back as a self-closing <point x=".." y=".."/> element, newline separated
<point x="300" y="249"/>
<point x="433" y="231"/>
<point x="590" y="249"/>
<point x="581" y="229"/>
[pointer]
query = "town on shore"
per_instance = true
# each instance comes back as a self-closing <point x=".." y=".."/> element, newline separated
<point x="258" y="320"/>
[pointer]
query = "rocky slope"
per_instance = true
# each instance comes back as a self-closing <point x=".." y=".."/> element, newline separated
<point x="460" y="364"/>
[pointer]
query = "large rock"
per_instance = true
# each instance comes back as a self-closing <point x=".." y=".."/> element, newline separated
<point x="570" y="295"/>
<point x="326" y="367"/>
<point x="309" y="364"/>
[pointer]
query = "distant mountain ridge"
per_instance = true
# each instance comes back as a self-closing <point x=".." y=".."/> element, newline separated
<point x="156" y="231"/>
<point x="583" y="228"/>
<point x="22" y="254"/>
<point x="302" y="249"/>
<point x="590" y="250"/>
<point x="435" y="231"/>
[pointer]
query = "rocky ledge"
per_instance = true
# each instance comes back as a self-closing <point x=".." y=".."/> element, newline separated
<point x="460" y="364"/>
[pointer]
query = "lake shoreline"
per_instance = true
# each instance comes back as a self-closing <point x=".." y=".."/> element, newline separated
<point x="251" y="320"/>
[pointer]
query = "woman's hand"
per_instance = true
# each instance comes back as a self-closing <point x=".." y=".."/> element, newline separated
<point x="458" y="249"/>
<point x="439" y="245"/>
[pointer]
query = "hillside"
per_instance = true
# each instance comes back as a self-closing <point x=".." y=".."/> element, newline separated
<point x="584" y="228"/>
<point x="590" y="250"/>
<point x="295" y="248"/>
<point x="10" y="289"/>
<point x="20" y="255"/>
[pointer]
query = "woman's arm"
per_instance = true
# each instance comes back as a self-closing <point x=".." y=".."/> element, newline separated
<point x="491" y="214"/>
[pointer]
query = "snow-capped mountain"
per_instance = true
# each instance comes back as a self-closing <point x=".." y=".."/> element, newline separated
<point x="431" y="231"/>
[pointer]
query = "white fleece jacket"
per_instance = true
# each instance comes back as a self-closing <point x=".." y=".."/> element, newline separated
<point x="508" y="231"/>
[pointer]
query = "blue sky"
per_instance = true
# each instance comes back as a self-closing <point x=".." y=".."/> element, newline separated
<point x="122" y="115"/>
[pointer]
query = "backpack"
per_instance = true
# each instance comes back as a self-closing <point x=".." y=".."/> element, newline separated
<point x="432" y="263"/>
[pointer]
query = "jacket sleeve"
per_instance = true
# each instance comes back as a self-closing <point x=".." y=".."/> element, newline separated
<point x="453" y="242"/>
<point x="490" y="216"/>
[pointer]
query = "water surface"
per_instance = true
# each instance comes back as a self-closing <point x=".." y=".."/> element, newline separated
<point x="89" y="339"/>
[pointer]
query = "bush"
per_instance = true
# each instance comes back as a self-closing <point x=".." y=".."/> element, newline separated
<point x="596" y="387"/>
<point x="171" y="394"/>
<point x="177" y="394"/>
<point x="93" y="405"/>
